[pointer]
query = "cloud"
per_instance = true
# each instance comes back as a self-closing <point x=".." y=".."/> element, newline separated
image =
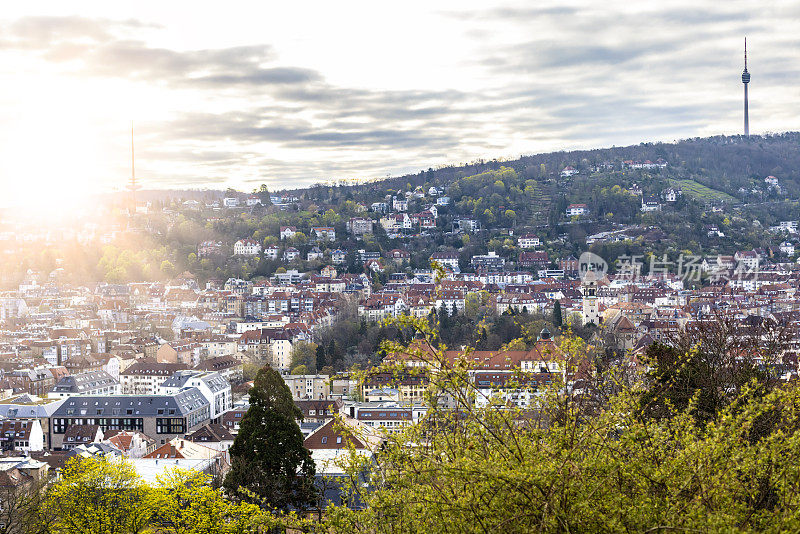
<point x="237" y="65"/>
<point x="518" y="14"/>
<point x="100" y="48"/>
<point x="45" y="32"/>
<point x="545" y="77"/>
<point x="265" y="127"/>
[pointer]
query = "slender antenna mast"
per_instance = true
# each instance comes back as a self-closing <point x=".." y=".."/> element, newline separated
<point x="745" y="81"/>
<point x="132" y="186"/>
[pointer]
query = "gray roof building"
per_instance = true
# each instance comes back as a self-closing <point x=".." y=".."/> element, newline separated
<point x="153" y="368"/>
<point x="89" y="383"/>
<point x="161" y="417"/>
<point x="181" y="379"/>
<point x="213" y="386"/>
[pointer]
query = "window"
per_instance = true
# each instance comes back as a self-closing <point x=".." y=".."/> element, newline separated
<point x="170" y="426"/>
<point x="324" y="439"/>
<point x="338" y="439"/>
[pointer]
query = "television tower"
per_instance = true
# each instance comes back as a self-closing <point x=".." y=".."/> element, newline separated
<point x="745" y="81"/>
<point x="132" y="185"/>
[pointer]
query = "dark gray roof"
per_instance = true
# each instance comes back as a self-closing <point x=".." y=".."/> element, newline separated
<point x="210" y="433"/>
<point x="26" y="407"/>
<point x="81" y="433"/>
<point x="180" y="404"/>
<point x="182" y="379"/>
<point x="218" y="363"/>
<point x="83" y="382"/>
<point x="152" y="368"/>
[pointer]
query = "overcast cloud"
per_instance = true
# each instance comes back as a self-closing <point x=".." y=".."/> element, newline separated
<point x="310" y="93"/>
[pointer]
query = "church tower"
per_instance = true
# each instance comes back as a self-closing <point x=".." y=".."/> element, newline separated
<point x="591" y="308"/>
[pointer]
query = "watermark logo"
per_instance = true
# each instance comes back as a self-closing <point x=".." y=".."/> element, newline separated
<point x="591" y="262"/>
<point x="743" y="270"/>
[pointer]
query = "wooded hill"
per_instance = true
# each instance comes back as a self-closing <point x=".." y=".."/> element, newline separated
<point x="720" y="162"/>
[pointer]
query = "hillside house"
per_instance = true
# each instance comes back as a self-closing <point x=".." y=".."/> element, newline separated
<point x="529" y="241"/>
<point x="672" y="194"/>
<point x="288" y="232"/>
<point x="290" y="254"/>
<point x="650" y="204"/>
<point x="271" y="252"/>
<point x="338" y="257"/>
<point x="569" y="171"/>
<point x="324" y="233"/>
<point x="576" y="210"/>
<point x="359" y="226"/>
<point x="447" y="259"/>
<point x="247" y="247"/>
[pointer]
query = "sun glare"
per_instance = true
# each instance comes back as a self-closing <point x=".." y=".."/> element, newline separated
<point x="51" y="162"/>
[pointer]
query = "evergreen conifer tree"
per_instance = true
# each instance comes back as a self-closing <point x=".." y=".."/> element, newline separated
<point x="322" y="361"/>
<point x="444" y="319"/>
<point x="268" y="457"/>
<point x="557" y="319"/>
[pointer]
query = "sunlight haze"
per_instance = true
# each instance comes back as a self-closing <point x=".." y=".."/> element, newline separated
<point x="296" y="94"/>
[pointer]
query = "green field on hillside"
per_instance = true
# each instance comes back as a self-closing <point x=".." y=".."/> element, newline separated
<point x="702" y="192"/>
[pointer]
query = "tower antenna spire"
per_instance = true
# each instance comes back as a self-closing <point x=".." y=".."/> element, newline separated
<point x="132" y="186"/>
<point x="133" y="168"/>
<point x="746" y="81"/>
<point x="745" y="53"/>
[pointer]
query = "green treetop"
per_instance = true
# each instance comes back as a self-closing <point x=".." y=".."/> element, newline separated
<point x="268" y="457"/>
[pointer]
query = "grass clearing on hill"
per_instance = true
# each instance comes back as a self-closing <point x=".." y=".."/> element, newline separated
<point x="702" y="192"/>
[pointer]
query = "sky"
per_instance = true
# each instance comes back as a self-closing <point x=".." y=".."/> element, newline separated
<point x="294" y="93"/>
